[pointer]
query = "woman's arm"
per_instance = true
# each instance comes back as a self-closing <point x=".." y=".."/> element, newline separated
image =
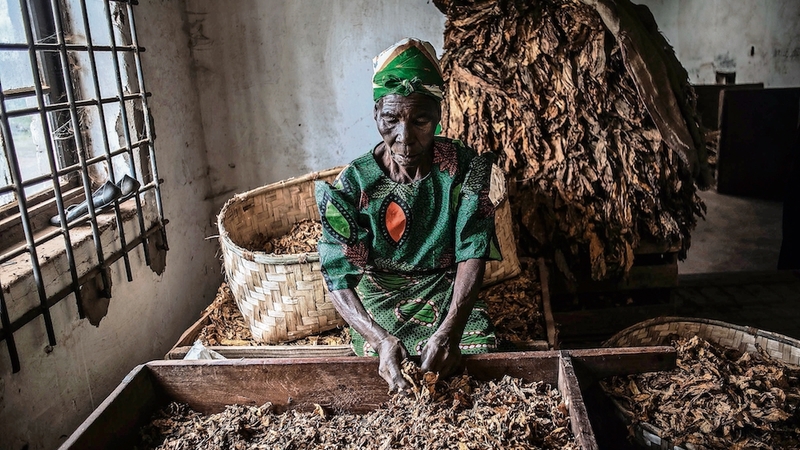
<point x="441" y="354"/>
<point x="389" y="348"/>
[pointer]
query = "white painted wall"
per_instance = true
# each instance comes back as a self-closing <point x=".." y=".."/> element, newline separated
<point x="285" y="85"/>
<point x="44" y="403"/>
<point x="717" y="35"/>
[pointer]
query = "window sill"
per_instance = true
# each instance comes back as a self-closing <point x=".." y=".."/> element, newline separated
<point x="17" y="275"/>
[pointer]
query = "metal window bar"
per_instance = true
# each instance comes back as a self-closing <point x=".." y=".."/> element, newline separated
<point x="148" y="125"/>
<point x="144" y="145"/>
<point x="66" y="106"/>
<point x="123" y="112"/>
<point x="74" y="168"/>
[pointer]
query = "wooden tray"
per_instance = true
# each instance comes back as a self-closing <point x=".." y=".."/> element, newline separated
<point x="347" y="383"/>
<point x="188" y="337"/>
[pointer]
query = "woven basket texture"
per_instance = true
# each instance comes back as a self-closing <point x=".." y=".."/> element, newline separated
<point x="284" y="297"/>
<point x="661" y="330"/>
<point x="658" y="331"/>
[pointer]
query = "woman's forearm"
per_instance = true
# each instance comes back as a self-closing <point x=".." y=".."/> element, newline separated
<point x="353" y="312"/>
<point x="469" y="275"/>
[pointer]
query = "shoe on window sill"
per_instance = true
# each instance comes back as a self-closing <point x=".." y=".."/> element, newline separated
<point x="128" y="186"/>
<point x="101" y="198"/>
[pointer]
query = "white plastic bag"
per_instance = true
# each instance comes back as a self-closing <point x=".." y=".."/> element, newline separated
<point x="199" y="351"/>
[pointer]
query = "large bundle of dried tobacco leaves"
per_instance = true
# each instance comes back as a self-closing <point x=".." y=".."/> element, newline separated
<point x="458" y="414"/>
<point x="590" y="114"/>
<point x="717" y="398"/>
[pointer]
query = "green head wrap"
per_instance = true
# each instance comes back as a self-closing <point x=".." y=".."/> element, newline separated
<point x="407" y="67"/>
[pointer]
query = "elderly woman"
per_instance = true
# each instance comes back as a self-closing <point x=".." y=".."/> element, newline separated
<point x="408" y="226"/>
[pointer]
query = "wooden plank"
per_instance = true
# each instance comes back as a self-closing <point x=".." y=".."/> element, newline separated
<point x="606" y="362"/>
<point x="571" y="393"/>
<point x="271" y="351"/>
<point x="549" y="322"/>
<point x="116" y="421"/>
<point x="350" y="384"/>
<point x="652" y="276"/>
<point x="648" y="247"/>
<point x="737" y="278"/>
<point x="343" y="383"/>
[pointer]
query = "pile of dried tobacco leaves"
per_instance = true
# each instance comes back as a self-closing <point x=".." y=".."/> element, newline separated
<point x="717" y="398"/>
<point x="458" y="414"/>
<point x="226" y="326"/>
<point x="515" y="306"/>
<point x="595" y="125"/>
<point x="302" y="238"/>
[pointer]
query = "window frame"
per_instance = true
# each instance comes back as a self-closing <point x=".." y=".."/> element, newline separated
<point x="25" y="223"/>
<point x="48" y="65"/>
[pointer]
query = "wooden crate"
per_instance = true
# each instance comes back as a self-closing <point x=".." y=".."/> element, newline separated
<point x="208" y="386"/>
<point x="189" y="336"/>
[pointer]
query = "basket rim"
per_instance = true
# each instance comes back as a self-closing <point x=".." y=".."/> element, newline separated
<point x="611" y="342"/>
<point x="260" y="256"/>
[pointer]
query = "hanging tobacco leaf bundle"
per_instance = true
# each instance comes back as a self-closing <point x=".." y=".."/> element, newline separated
<point x="596" y="128"/>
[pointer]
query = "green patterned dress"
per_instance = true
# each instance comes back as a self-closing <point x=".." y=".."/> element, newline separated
<point x="397" y="244"/>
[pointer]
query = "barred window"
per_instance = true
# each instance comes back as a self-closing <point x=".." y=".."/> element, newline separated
<point x="79" y="186"/>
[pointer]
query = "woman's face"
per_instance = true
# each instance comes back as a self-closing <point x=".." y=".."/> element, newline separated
<point x="407" y="125"/>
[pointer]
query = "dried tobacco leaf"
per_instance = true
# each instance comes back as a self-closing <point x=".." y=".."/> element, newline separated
<point x="302" y="238"/>
<point x="460" y="413"/>
<point x="515" y="306"/>
<point x="716" y="398"/>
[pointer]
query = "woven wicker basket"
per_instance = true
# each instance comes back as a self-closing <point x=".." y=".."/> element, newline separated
<point x="284" y="297"/>
<point x="661" y="330"/>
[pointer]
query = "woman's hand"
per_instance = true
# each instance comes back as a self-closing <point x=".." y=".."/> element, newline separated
<point x="390" y="349"/>
<point x="391" y="353"/>
<point x="441" y="354"/>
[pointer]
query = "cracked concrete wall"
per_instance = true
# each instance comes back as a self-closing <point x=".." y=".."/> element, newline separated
<point x="59" y="387"/>
<point x="285" y="87"/>
<point x="757" y="39"/>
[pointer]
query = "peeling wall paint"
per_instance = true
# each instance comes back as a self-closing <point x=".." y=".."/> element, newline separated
<point x="759" y="40"/>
